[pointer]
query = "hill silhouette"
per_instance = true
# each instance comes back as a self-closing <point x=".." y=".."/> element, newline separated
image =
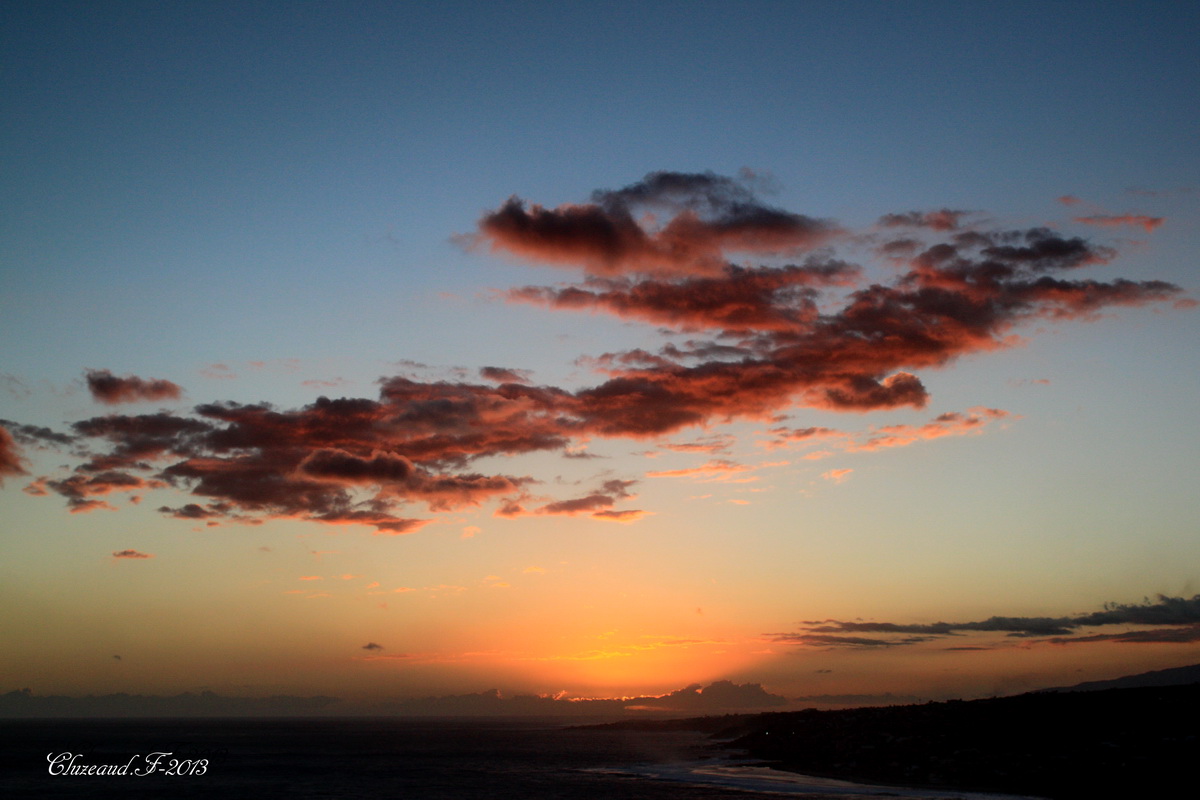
<point x="1062" y="744"/>
<point x="1179" y="676"/>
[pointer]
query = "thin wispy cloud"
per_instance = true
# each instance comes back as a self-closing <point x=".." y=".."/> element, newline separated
<point x="720" y="469"/>
<point x="597" y="505"/>
<point x="133" y="554"/>
<point x="1105" y="219"/>
<point x="1170" y="619"/>
<point x="1147" y="223"/>
<point x="837" y="475"/>
<point x="942" y="220"/>
<point x="949" y="424"/>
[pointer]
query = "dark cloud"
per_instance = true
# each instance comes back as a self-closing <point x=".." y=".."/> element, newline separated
<point x="707" y="215"/>
<point x="598" y="504"/>
<point x="502" y="375"/>
<point x="36" y="435"/>
<point x="130" y="554"/>
<point x="593" y="502"/>
<point x="822" y="640"/>
<point x="339" y="465"/>
<point x="618" y="489"/>
<point x="1166" y="611"/>
<point x="1022" y="626"/>
<point x="803" y="434"/>
<point x="899" y="249"/>
<point x="1190" y="633"/>
<point x="784" y="437"/>
<point x="372" y="646"/>
<point x="139" y="440"/>
<point x="1037" y="250"/>
<point x="511" y="509"/>
<point x="383" y="523"/>
<point x="624" y="515"/>
<point x="190" y="511"/>
<point x="108" y="388"/>
<point x="739" y="299"/>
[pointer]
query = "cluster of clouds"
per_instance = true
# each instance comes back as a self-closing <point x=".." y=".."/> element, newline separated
<point x="1169" y="620"/>
<point x="802" y="328"/>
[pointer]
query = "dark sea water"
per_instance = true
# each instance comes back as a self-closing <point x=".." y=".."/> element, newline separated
<point x="348" y="759"/>
<point x="385" y="759"/>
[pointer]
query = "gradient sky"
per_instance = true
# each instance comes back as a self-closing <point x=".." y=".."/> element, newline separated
<point x="661" y="343"/>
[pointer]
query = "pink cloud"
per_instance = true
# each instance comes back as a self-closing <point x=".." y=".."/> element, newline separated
<point x="719" y="468"/>
<point x="10" y="456"/>
<point x="1114" y="220"/>
<point x="949" y="424"/>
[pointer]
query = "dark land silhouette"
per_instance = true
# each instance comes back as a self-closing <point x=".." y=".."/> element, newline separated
<point x="717" y="697"/>
<point x="1062" y="744"/>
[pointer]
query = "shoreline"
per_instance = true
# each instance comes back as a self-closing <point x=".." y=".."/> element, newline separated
<point x="752" y="776"/>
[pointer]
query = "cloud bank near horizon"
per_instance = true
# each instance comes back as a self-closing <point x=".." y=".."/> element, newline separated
<point x="804" y="329"/>
<point x="1168" y="620"/>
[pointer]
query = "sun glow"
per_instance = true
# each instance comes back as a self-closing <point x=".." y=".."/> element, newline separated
<point x="617" y="664"/>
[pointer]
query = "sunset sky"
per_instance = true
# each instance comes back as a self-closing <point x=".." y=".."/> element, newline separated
<point x="387" y="350"/>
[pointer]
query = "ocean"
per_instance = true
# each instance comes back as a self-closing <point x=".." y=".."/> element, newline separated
<point x="385" y="759"/>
